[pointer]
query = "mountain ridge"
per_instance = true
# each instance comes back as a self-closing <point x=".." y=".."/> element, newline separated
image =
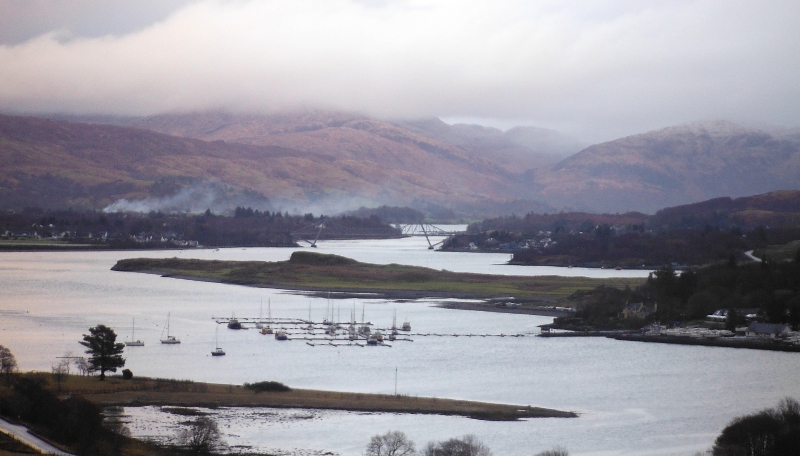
<point x="341" y="161"/>
<point x="37" y="152"/>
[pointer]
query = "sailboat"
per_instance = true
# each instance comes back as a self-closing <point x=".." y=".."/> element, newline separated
<point x="393" y="333"/>
<point x="260" y="325"/>
<point x="217" y="351"/>
<point x="170" y="339"/>
<point x="364" y="329"/>
<point x="268" y="329"/>
<point x="133" y="342"/>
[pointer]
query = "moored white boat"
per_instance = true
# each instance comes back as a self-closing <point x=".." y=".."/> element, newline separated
<point x="217" y="351"/>
<point x="169" y="340"/>
<point x="134" y="342"/>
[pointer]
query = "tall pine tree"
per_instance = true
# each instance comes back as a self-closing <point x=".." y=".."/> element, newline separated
<point x="106" y="354"/>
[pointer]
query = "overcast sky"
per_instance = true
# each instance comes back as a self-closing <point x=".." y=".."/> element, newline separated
<point x="598" y="70"/>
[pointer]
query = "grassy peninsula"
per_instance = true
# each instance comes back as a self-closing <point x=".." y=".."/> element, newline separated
<point x="67" y="410"/>
<point x="176" y="393"/>
<point x="312" y="271"/>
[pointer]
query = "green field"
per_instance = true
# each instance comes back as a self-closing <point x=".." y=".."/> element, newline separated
<point x="319" y="272"/>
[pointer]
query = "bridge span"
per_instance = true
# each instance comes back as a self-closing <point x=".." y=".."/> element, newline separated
<point x="328" y="230"/>
<point x="427" y="230"/>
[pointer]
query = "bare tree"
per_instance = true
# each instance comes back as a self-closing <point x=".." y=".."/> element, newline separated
<point x="468" y="445"/>
<point x="556" y="451"/>
<point x="8" y="364"/>
<point x="201" y="437"/>
<point x="68" y="356"/>
<point x="60" y="371"/>
<point x="393" y="443"/>
<point x="82" y="365"/>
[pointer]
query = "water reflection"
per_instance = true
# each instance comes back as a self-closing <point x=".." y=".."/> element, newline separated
<point x="634" y="398"/>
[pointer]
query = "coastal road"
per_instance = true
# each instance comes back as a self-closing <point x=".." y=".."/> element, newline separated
<point x="21" y="433"/>
<point x="750" y="255"/>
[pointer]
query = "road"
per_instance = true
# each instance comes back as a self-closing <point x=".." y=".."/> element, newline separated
<point x="21" y="433"/>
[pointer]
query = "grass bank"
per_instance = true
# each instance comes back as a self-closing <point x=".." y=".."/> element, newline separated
<point x="311" y="271"/>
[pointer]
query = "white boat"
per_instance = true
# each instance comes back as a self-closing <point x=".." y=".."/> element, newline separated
<point x="217" y="351"/>
<point x="133" y="342"/>
<point x="281" y="335"/>
<point x="170" y="340"/>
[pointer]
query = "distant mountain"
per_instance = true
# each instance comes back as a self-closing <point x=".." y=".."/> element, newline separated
<point x="347" y="134"/>
<point x="329" y="162"/>
<point x="672" y="166"/>
<point x="518" y="149"/>
<point x="57" y="164"/>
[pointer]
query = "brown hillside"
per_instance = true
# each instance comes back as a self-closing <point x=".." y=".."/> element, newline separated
<point x="56" y="163"/>
<point x="356" y="136"/>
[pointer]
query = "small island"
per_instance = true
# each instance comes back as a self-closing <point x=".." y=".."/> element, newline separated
<point x="315" y="272"/>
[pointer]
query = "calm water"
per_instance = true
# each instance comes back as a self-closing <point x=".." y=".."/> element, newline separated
<point x="634" y="398"/>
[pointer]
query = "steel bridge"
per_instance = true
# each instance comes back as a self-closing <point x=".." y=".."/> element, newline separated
<point x="328" y="230"/>
<point x="427" y="230"/>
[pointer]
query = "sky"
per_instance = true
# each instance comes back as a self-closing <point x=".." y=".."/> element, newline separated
<point x="596" y="70"/>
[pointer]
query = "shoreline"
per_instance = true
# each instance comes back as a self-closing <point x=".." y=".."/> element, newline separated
<point x="728" y="342"/>
<point x="725" y="342"/>
<point x="543" y="311"/>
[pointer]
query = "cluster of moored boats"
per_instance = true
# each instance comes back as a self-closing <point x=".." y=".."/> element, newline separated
<point x="327" y="329"/>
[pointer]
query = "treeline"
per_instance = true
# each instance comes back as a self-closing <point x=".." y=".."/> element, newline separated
<point x="693" y="234"/>
<point x="247" y="227"/>
<point x="771" y="432"/>
<point x="629" y="247"/>
<point x="391" y="214"/>
<point x="605" y="247"/>
<point x="566" y="222"/>
<point x="774" y="209"/>
<point x="771" y="289"/>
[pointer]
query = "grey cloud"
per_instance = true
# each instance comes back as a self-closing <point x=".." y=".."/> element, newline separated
<point x="596" y="72"/>
<point x="21" y="20"/>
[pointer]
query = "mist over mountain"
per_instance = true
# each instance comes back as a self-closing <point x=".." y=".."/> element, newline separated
<point x="517" y="149"/>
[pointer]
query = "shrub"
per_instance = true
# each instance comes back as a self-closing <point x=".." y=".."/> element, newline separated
<point x="267" y="387"/>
